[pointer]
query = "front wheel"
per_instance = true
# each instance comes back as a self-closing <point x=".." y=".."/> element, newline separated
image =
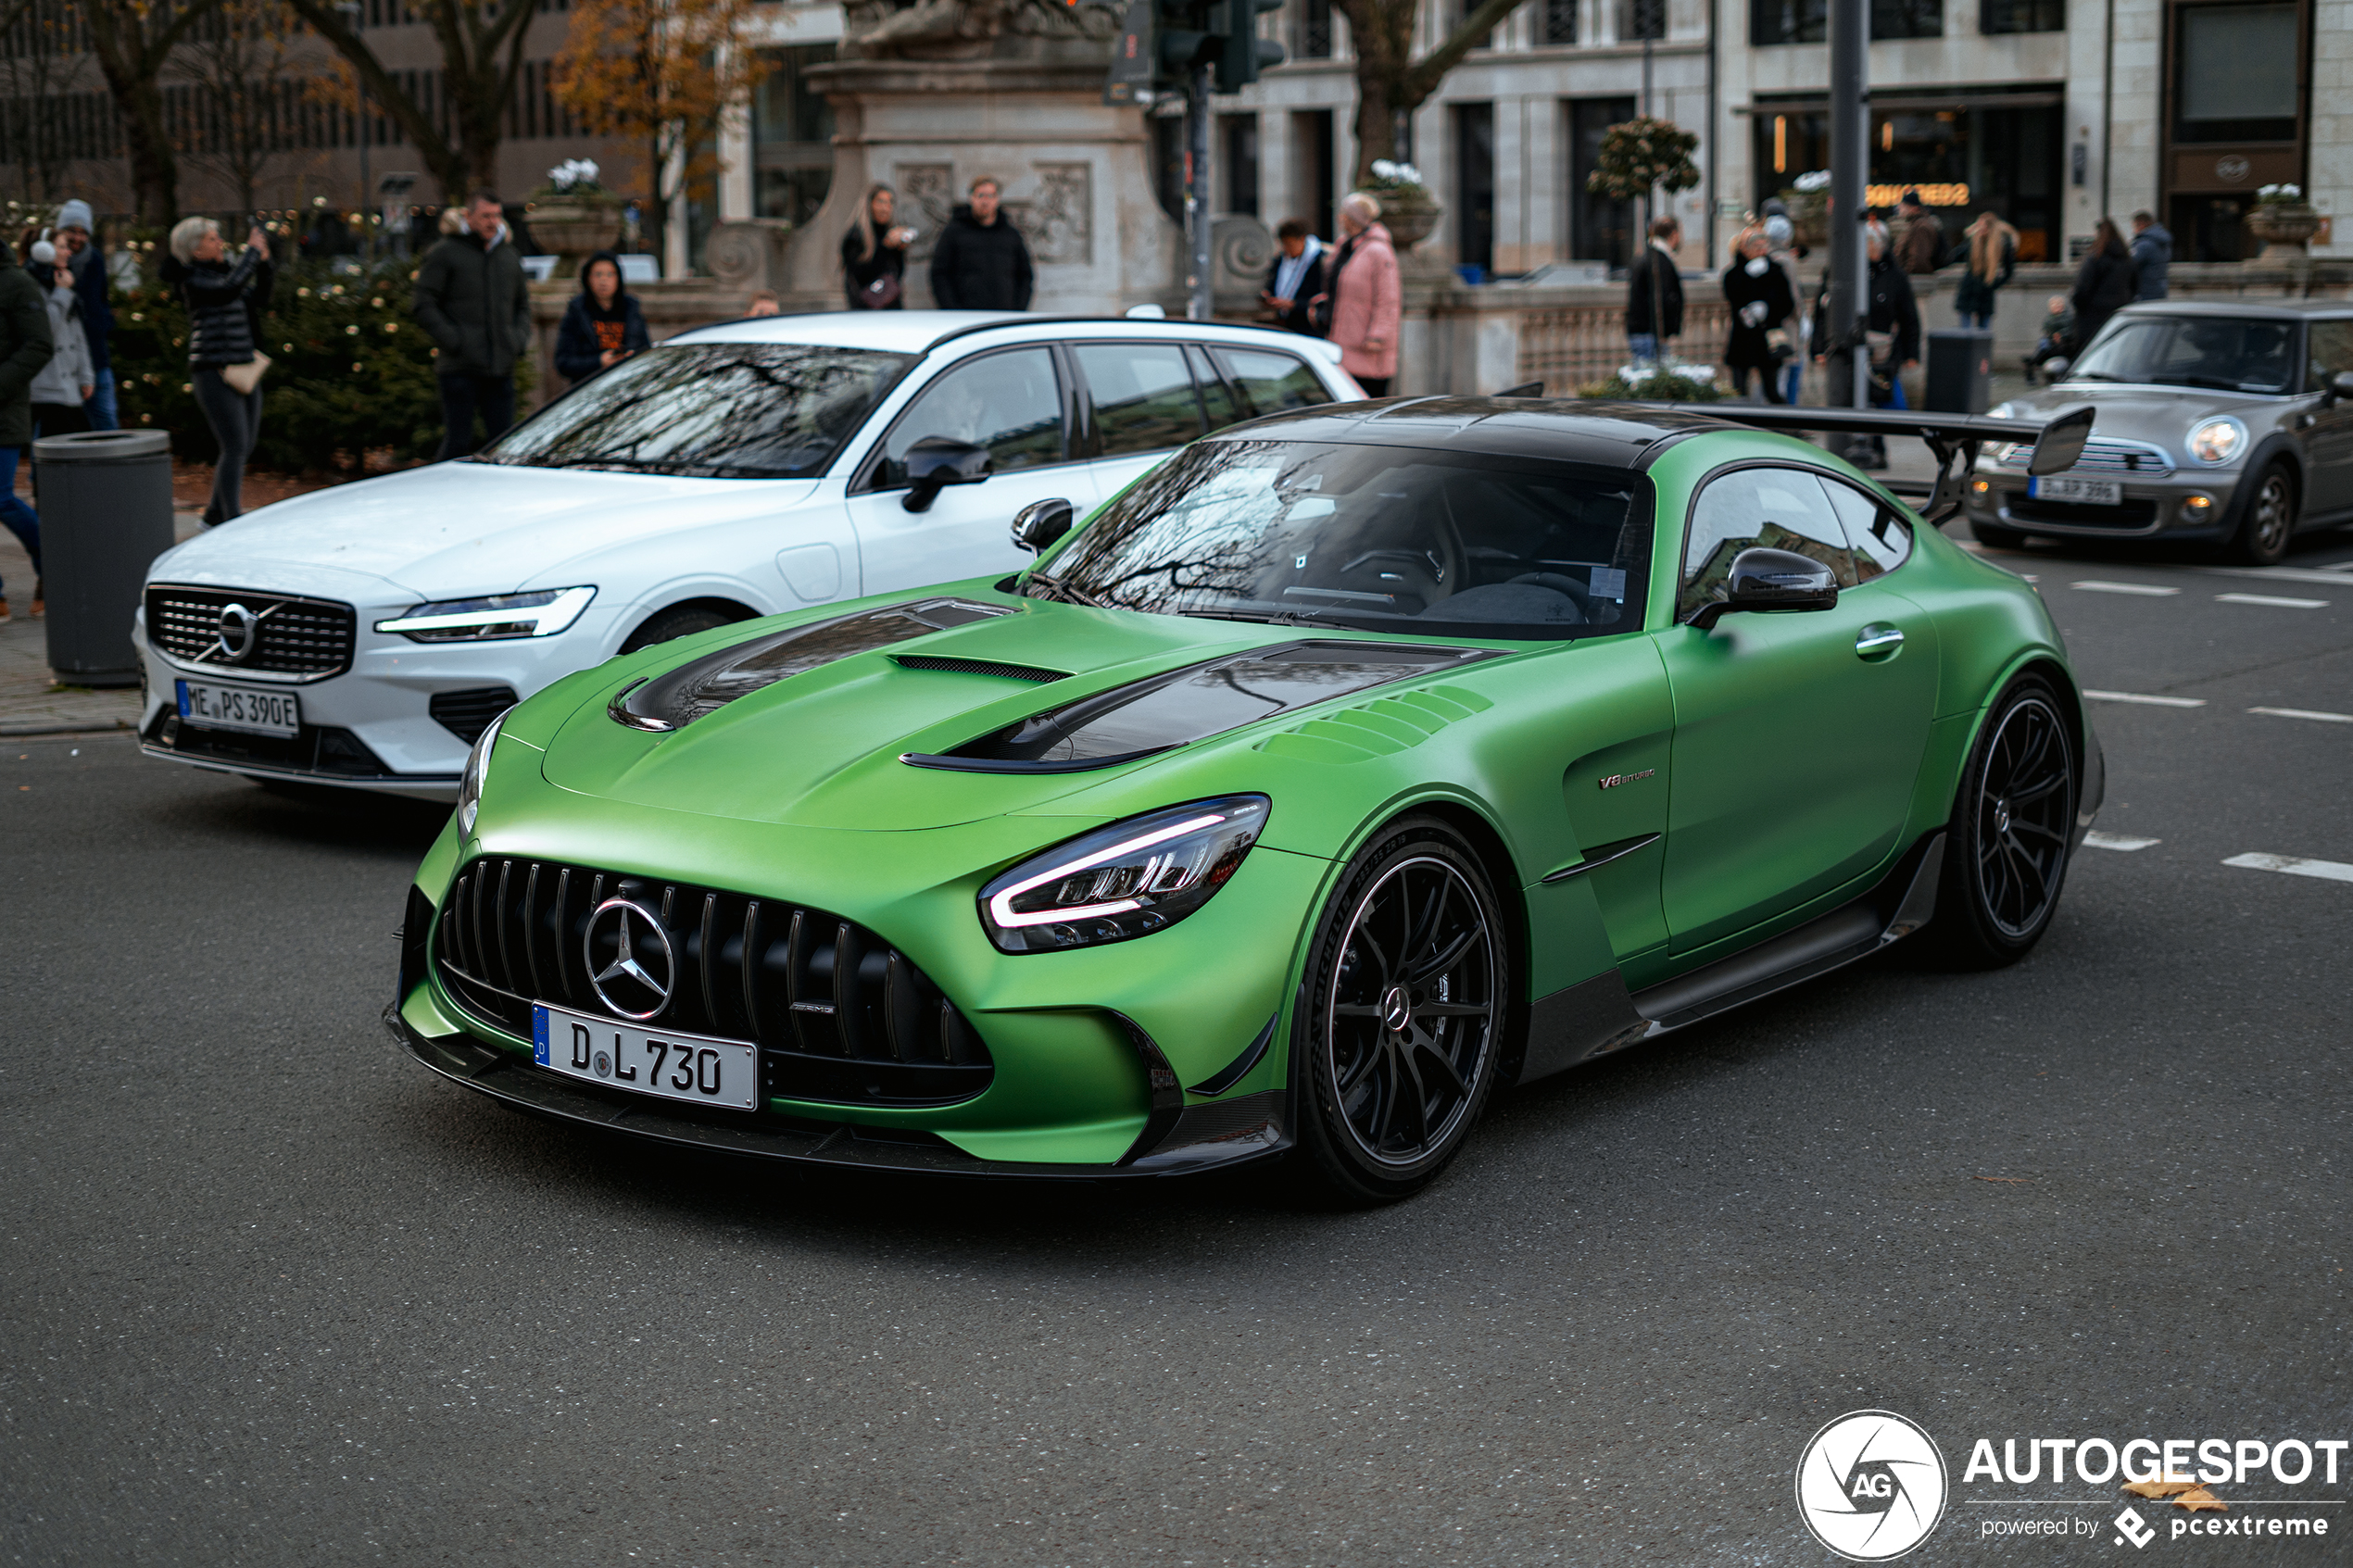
<point x="2270" y="518"/>
<point x="2013" y="825"/>
<point x="1407" y="1003"/>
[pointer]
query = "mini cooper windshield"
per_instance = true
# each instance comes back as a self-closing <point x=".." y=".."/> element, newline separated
<point x="1380" y="538"/>
<point x="2225" y="353"/>
<point x="714" y="410"/>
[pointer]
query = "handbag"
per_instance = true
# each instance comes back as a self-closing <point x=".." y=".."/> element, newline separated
<point x="880" y="295"/>
<point x="1777" y="341"/>
<point x="243" y="379"/>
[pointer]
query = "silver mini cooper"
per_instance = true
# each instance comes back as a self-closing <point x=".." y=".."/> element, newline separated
<point x="2231" y="422"/>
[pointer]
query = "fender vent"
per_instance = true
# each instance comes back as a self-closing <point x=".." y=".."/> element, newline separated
<point x="1379" y="728"/>
<point x="980" y="667"/>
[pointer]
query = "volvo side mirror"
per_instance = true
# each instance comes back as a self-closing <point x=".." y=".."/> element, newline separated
<point x="2341" y="387"/>
<point x="1771" y="580"/>
<point x="936" y="462"/>
<point x="1039" y="526"/>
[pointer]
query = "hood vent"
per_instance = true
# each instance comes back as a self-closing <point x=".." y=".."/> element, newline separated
<point x="978" y="667"/>
<point x="1166" y="711"/>
<point x="673" y="700"/>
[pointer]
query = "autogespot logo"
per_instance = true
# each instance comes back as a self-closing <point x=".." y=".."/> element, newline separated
<point x="1872" y="1486"/>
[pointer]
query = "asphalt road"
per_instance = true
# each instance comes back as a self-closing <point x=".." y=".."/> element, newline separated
<point x="272" y="1294"/>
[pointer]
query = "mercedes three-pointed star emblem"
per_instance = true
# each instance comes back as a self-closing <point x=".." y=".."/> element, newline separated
<point x="621" y="980"/>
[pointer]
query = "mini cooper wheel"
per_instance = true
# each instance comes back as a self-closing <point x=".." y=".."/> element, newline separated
<point x="2012" y="829"/>
<point x="2270" y="518"/>
<point x="1406" y="1005"/>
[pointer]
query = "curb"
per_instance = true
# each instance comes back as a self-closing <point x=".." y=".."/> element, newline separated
<point x="11" y="732"/>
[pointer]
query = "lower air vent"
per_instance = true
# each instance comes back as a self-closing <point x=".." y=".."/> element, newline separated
<point x="841" y="1016"/>
<point x="467" y="713"/>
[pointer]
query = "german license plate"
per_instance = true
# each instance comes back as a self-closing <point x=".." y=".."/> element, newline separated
<point x="650" y="1061"/>
<point x="211" y="706"/>
<point x="2082" y="492"/>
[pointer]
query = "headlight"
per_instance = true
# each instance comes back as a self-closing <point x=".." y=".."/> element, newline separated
<point x="1124" y="881"/>
<point x="470" y="782"/>
<point x="2218" y="440"/>
<point x="541" y="613"/>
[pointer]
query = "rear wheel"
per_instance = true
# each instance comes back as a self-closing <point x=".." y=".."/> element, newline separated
<point x="2013" y="825"/>
<point x="1407" y="1004"/>
<point x="2270" y="518"/>
<point x="678" y="621"/>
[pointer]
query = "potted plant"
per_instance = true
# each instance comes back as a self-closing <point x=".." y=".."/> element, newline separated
<point x="1407" y="210"/>
<point x="1809" y="200"/>
<point x="2284" y="221"/>
<point x="573" y="215"/>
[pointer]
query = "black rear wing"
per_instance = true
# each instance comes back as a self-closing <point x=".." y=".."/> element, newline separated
<point x="2058" y="442"/>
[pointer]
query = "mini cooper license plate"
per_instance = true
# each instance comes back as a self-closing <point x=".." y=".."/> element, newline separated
<point x="214" y="707"/>
<point x="2082" y="492"/>
<point x="650" y="1061"/>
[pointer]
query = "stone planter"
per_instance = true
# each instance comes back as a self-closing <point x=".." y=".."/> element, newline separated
<point x="2284" y="228"/>
<point x="573" y="229"/>
<point x="1409" y="213"/>
<point x="1808" y="217"/>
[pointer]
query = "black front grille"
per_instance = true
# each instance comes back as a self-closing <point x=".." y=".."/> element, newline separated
<point x="840" y="1015"/>
<point x="2127" y="515"/>
<point x="467" y="713"/>
<point x="294" y="636"/>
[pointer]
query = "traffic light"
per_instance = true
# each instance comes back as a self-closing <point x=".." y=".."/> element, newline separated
<point x="1241" y="54"/>
<point x="1183" y="40"/>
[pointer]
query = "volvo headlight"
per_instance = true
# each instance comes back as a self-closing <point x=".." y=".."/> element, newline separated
<point x="470" y="782"/>
<point x="541" y="613"/>
<point x="2218" y="440"/>
<point x="1124" y="881"/>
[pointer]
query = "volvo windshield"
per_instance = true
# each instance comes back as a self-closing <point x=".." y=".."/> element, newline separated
<point x="2225" y="353"/>
<point x="1380" y="538"/>
<point x="722" y="410"/>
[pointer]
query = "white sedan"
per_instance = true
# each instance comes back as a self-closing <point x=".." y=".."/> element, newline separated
<point x="365" y="636"/>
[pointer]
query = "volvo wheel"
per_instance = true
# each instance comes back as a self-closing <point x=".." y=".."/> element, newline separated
<point x="2013" y="825"/>
<point x="1407" y="1001"/>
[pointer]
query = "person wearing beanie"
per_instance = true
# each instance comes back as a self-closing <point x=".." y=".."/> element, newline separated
<point x="603" y="325"/>
<point x="77" y="232"/>
<point x="64" y="384"/>
<point x="25" y="348"/>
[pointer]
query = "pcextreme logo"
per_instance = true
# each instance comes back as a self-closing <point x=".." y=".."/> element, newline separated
<point x="1872" y="1486"/>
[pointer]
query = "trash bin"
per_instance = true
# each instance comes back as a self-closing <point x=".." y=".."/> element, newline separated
<point x="104" y="498"/>
<point x="1960" y="370"/>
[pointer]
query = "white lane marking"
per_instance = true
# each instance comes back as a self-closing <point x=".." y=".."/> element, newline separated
<point x="2272" y="599"/>
<point x="2093" y="585"/>
<point x="2332" y="871"/>
<point x="2300" y="713"/>
<point x="2144" y="698"/>
<point x="2281" y="573"/>
<point x="2117" y="841"/>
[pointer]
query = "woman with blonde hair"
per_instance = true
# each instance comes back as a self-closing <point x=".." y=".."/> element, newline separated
<point x="873" y="254"/>
<point x="225" y="301"/>
<point x="1367" y="295"/>
<point x="1988" y="253"/>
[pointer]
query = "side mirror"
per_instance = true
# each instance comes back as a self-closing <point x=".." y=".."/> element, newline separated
<point x="1771" y="580"/>
<point x="1039" y="526"/>
<point x="2057" y="367"/>
<point x="936" y="462"/>
<point x="2341" y="387"/>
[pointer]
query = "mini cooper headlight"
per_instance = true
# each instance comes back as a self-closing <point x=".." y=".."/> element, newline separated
<point x="541" y="613"/>
<point x="2218" y="440"/>
<point x="470" y="782"/>
<point x="1124" y="881"/>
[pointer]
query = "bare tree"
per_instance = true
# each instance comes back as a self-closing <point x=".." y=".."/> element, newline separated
<point x="1391" y="82"/>
<point x="245" y="62"/>
<point x="133" y="38"/>
<point x="38" y="46"/>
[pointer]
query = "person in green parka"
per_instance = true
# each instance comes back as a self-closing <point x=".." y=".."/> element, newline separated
<point x="25" y="348"/>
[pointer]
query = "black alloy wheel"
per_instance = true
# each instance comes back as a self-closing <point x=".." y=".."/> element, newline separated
<point x="2270" y="518"/>
<point x="1408" y="1005"/>
<point x="2012" y="830"/>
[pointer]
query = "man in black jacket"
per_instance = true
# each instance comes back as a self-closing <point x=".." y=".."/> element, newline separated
<point x="981" y="262"/>
<point x="1297" y="277"/>
<point x="25" y="346"/>
<point x="1655" y="294"/>
<point x="474" y="303"/>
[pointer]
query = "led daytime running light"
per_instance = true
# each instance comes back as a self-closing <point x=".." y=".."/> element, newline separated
<point x="541" y="613"/>
<point x="1001" y="908"/>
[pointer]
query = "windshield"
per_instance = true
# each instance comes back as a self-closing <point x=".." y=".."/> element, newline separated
<point x="720" y="411"/>
<point x="1381" y="538"/>
<point x="2228" y="353"/>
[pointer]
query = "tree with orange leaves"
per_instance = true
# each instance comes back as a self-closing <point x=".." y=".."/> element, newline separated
<point x="665" y="73"/>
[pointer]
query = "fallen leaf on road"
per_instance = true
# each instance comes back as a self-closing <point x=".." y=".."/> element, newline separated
<point x="2162" y="1488"/>
<point x="2201" y="1501"/>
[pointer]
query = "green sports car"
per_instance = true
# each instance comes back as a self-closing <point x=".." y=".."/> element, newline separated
<point x="1352" y="766"/>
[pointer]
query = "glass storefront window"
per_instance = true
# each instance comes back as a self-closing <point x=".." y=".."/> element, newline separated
<point x="792" y="132"/>
<point x="2235" y="73"/>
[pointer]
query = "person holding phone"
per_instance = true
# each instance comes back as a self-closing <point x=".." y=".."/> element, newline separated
<point x="225" y="300"/>
<point x="603" y="325"/>
<point x="873" y="254"/>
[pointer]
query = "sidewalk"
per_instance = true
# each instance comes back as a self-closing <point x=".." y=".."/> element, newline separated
<point x="32" y="703"/>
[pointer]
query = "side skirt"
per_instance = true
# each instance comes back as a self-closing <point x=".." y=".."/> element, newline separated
<point x="1598" y="1016"/>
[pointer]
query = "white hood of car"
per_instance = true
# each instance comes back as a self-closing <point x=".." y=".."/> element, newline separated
<point x="458" y="529"/>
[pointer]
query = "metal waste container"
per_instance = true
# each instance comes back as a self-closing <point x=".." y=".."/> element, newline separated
<point x="1960" y="370"/>
<point x="104" y="499"/>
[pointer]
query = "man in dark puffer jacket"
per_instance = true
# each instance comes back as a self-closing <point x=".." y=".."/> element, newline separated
<point x="474" y="303"/>
<point x="24" y="348"/>
<point x="981" y="262"/>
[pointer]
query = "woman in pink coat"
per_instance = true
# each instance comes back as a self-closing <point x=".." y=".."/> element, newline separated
<point x="1366" y="298"/>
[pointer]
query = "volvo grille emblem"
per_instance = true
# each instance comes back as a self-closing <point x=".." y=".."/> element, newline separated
<point x="622" y="938"/>
<point x="235" y="632"/>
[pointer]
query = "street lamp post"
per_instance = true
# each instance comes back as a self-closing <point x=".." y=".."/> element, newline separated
<point x="1844" y="348"/>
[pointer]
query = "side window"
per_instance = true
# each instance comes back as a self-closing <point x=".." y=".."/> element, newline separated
<point x="1879" y="534"/>
<point x="1777" y="508"/>
<point x="2330" y="353"/>
<point x="1142" y="393"/>
<point x="1271" y="383"/>
<point x="1009" y="403"/>
<point x="1216" y="398"/>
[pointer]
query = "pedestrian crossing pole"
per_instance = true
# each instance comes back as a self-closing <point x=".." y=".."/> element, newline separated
<point x="1846" y="351"/>
<point x="1196" y="295"/>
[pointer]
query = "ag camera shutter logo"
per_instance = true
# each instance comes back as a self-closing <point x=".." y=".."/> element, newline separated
<point x="1872" y="1486"/>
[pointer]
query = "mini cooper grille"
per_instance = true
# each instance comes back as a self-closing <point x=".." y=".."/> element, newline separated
<point x="840" y="1015"/>
<point x="2137" y="459"/>
<point x="291" y="636"/>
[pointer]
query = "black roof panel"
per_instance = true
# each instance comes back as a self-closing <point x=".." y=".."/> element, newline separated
<point x="1570" y="430"/>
